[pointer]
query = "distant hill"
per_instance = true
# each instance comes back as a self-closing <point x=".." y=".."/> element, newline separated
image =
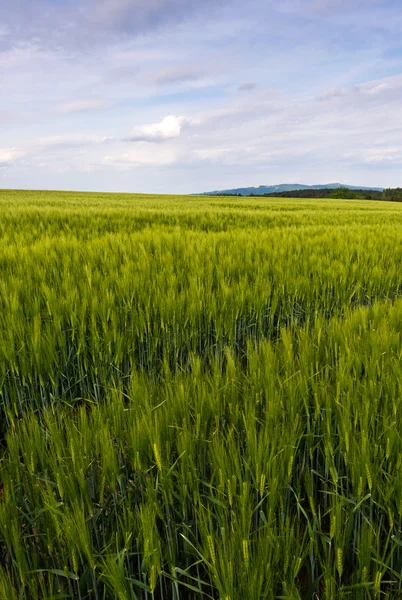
<point x="283" y="187"/>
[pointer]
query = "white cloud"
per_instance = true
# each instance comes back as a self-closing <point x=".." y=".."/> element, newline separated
<point x="381" y="85"/>
<point x="353" y="132"/>
<point x="352" y="129"/>
<point x="377" y="89"/>
<point x="8" y="156"/>
<point x="170" y="127"/>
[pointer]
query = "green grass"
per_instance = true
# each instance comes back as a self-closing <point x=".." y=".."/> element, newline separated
<point x="199" y="398"/>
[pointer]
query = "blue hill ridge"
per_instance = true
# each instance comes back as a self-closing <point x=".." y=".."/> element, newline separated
<point x="284" y="187"/>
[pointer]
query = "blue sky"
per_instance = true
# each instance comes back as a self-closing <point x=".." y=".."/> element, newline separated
<point x="177" y="96"/>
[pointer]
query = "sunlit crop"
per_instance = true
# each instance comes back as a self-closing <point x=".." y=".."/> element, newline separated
<point x="199" y="398"/>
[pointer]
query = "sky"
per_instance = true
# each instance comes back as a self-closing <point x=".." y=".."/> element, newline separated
<point x="185" y="96"/>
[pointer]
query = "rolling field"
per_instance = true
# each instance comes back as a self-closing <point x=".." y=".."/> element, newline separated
<point x="199" y="398"/>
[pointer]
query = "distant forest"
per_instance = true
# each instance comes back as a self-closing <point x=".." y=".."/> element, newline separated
<point x="389" y="194"/>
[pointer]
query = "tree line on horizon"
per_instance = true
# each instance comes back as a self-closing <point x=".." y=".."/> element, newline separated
<point x="343" y="193"/>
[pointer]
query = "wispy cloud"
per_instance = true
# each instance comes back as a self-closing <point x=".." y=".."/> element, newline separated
<point x="68" y="141"/>
<point x="143" y="155"/>
<point x="80" y="105"/>
<point x="216" y="94"/>
<point x="179" y="74"/>
<point x="76" y="24"/>
<point x="247" y="87"/>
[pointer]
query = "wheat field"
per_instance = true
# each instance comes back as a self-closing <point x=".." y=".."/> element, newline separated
<point x="199" y="398"/>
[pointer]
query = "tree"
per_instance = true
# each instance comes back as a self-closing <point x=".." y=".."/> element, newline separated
<point x="345" y="193"/>
<point x="394" y="194"/>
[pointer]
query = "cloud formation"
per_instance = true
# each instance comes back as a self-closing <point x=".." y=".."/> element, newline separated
<point x="217" y="94"/>
<point x="8" y="156"/>
<point x="142" y="155"/>
<point x="177" y="75"/>
<point x="78" y="24"/>
<point x="170" y="127"/>
<point x="70" y="141"/>
<point x="80" y="105"/>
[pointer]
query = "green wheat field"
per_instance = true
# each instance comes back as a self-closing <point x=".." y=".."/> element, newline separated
<point x="200" y="398"/>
